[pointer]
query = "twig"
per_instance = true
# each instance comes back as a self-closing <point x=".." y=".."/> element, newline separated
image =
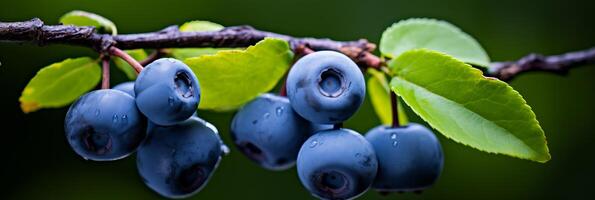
<point x="558" y="64"/>
<point x="35" y="31"/>
<point x="242" y="36"/>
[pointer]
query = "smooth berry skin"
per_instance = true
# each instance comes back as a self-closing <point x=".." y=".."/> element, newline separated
<point x="325" y="87"/>
<point x="126" y="87"/>
<point x="269" y="132"/>
<point x="410" y="158"/>
<point x="167" y="91"/>
<point x="104" y="125"/>
<point x="177" y="161"/>
<point x="337" y="164"/>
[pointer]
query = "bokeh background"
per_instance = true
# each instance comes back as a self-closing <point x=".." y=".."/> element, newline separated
<point x="37" y="162"/>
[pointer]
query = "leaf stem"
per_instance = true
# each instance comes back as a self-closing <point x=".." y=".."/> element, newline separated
<point x="394" y="101"/>
<point x="105" y="79"/>
<point x="129" y="59"/>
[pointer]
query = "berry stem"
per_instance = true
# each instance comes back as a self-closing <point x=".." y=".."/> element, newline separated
<point x="338" y="126"/>
<point x="394" y="108"/>
<point x="158" y="53"/>
<point x="105" y="79"/>
<point x="129" y="59"/>
<point x="283" y="89"/>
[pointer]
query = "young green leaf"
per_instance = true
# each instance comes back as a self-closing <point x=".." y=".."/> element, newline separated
<point x="184" y="53"/>
<point x="200" y="26"/>
<point x="137" y="54"/>
<point x="83" y="18"/>
<point x="457" y="100"/>
<point x="432" y="34"/>
<point x="197" y="26"/>
<point x="60" y="83"/>
<point x="379" y="92"/>
<point x="231" y="78"/>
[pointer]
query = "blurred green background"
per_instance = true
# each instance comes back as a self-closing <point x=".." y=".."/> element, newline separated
<point x="38" y="163"/>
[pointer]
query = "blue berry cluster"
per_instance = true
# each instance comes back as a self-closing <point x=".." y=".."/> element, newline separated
<point x="324" y="89"/>
<point x="177" y="152"/>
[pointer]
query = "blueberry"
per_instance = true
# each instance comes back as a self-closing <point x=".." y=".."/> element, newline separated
<point x="104" y="125"/>
<point x="269" y="132"/>
<point x="337" y="164"/>
<point x="325" y="87"/>
<point x="410" y="157"/>
<point x="177" y="161"/>
<point x="127" y="87"/>
<point x="167" y="91"/>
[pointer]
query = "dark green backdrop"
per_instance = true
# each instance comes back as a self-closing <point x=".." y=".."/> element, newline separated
<point x="38" y="164"/>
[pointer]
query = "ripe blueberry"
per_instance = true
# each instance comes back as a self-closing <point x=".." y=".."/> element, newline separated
<point x="410" y="158"/>
<point x="104" y="125"/>
<point x="127" y="87"/>
<point x="325" y="87"/>
<point x="337" y="164"/>
<point x="269" y="132"/>
<point x="167" y="91"/>
<point x="177" y="161"/>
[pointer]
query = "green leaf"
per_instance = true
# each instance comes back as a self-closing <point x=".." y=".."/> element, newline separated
<point x="231" y="78"/>
<point x="60" y="84"/>
<point x="197" y="26"/>
<point x="432" y="34"/>
<point x="379" y="92"/>
<point x="137" y="54"/>
<point x="184" y="53"/>
<point x="453" y="97"/>
<point x="83" y="18"/>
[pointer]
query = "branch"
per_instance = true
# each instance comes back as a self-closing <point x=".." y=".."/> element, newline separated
<point x="558" y="64"/>
<point x="36" y="31"/>
<point x="360" y="51"/>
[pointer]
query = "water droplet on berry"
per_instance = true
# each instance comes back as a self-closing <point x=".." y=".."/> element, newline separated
<point x="279" y="111"/>
<point x="395" y="143"/>
<point x="267" y="115"/>
<point x="97" y="112"/>
<point x="358" y="155"/>
<point x="115" y="119"/>
<point x="125" y="119"/>
<point x="170" y="100"/>
<point x="171" y="60"/>
<point x="225" y="149"/>
<point x="393" y="136"/>
<point x="313" y="143"/>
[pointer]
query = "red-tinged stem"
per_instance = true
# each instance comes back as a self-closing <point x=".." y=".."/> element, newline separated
<point x="129" y="59"/>
<point x="105" y="81"/>
<point x="158" y="53"/>
<point x="283" y="90"/>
